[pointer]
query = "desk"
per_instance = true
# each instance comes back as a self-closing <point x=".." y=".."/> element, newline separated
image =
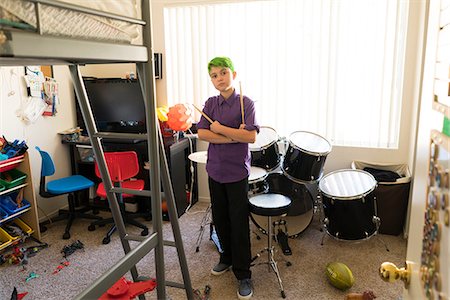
<point x="177" y="152"/>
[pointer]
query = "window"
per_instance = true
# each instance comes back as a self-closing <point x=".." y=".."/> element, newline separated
<point x="330" y="67"/>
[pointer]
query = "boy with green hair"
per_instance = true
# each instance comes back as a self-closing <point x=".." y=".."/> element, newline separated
<point x="228" y="168"/>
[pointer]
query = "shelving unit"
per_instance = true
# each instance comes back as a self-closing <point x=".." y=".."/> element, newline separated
<point x="28" y="215"/>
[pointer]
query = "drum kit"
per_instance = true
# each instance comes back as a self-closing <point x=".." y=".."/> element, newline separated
<point x="345" y="198"/>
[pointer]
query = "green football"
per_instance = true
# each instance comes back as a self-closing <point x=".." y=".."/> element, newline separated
<point x="339" y="275"/>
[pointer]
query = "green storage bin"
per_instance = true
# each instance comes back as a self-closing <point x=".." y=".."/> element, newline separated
<point x="17" y="178"/>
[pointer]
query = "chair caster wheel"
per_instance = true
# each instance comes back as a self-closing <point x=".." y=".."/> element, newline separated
<point x="66" y="235"/>
<point x="91" y="227"/>
<point x="283" y="294"/>
<point x="106" y="240"/>
<point x="95" y="211"/>
<point x="288" y="264"/>
<point x="144" y="232"/>
<point x="258" y="237"/>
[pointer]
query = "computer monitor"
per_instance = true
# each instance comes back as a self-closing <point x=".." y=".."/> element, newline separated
<point x="117" y="105"/>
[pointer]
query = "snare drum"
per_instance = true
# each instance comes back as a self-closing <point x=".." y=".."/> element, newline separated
<point x="305" y="157"/>
<point x="257" y="183"/>
<point x="264" y="150"/>
<point x="349" y="204"/>
<point x="300" y="212"/>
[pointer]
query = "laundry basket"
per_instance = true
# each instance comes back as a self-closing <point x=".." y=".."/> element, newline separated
<point x="391" y="193"/>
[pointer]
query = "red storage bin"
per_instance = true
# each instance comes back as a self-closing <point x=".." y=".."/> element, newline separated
<point x="11" y="163"/>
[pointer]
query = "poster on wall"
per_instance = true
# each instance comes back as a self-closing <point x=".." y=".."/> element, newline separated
<point x="42" y="85"/>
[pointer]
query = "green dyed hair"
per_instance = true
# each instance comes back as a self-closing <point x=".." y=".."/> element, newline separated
<point x="220" y="62"/>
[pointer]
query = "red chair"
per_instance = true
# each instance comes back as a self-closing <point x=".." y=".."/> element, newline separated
<point x="122" y="167"/>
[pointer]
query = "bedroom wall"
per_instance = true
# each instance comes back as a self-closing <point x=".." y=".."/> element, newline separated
<point x="42" y="133"/>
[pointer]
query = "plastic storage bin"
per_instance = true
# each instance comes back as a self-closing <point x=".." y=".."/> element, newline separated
<point x="391" y="197"/>
<point x="5" y="239"/>
<point x="11" y="163"/>
<point x="27" y="231"/>
<point x="9" y="204"/>
<point x="17" y="178"/>
<point x="3" y="214"/>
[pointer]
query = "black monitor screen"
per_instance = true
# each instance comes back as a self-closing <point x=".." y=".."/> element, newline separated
<point x="117" y="105"/>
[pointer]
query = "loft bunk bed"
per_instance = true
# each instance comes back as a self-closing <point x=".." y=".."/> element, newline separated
<point x="50" y="32"/>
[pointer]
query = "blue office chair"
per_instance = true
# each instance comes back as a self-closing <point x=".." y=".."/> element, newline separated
<point x="67" y="185"/>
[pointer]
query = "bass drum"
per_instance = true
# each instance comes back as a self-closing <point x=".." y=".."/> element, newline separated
<point x="300" y="212"/>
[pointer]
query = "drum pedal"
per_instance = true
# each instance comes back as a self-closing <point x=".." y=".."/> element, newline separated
<point x="283" y="241"/>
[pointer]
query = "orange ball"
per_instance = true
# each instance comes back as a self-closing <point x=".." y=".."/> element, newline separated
<point x="179" y="117"/>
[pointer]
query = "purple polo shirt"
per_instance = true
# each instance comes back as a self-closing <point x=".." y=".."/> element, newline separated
<point x="228" y="162"/>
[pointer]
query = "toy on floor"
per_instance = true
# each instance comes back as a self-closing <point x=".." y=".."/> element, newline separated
<point x="70" y="249"/>
<point x="30" y="276"/>
<point x="61" y="266"/>
<point x="367" y="295"/>
<point x="124" y="289"/>
<point x="202" y="296"/>
<point x="21" y="255"/>
<point x="339" y="275"/>
<point x="16" y="295"/>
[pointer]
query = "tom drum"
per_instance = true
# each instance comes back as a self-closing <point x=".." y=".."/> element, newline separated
<point x="305" y="156"/>
<point x="264" y="150"/>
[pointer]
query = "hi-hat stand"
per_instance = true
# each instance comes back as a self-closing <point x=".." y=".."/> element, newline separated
<point x="207" y="220"/>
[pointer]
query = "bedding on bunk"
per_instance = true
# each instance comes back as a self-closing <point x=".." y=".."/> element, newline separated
<point x="63" y="22"/>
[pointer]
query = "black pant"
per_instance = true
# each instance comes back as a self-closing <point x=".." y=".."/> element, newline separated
<point x="230" y="213"/>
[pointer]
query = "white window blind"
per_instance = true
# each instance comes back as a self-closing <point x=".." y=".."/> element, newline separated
<point x="332" y="67"/>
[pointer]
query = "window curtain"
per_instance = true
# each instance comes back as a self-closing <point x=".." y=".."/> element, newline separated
<point x="331" y="67"/>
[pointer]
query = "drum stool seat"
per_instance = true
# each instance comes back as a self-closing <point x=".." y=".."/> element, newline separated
<point x="270" y="205"/>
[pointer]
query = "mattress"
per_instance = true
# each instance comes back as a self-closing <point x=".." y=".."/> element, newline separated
<point x="67" y="23"/>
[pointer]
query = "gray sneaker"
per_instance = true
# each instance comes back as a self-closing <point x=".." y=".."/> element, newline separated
<point x="245" y="290"/>
<point x="220" y="268"/>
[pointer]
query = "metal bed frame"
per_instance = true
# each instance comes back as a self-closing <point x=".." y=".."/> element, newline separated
<point x="21" y="48"/>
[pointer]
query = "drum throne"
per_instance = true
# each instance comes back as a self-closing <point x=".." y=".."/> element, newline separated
<point x="270" y="205"/>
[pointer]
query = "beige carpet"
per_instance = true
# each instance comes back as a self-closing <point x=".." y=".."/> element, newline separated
<point x="305" y="279"/>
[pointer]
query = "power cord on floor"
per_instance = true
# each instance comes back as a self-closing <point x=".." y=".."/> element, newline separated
<point x="191" y="169"/>
<point x="45" y="214"/>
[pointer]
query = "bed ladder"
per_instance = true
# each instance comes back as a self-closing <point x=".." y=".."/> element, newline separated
<point x="159" y="173"/>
